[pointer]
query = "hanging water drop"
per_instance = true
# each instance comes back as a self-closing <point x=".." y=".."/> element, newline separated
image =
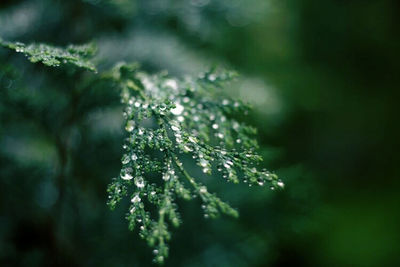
<point x="126" y="177"/>
<point x="166" y="176"/>
<point x="178" y="109"/>
<point x="130" y="125"/>
<point x="203" y="163"/>
<point x="187" y="149"/>
<point x="136" y="199"/>
<point x="125" y="159"/>
<point x="203" y="190"/>
<point x="139" y="182"/>
<point x="212" y="77"/>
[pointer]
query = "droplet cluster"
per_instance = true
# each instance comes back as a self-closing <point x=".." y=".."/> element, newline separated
<point x="76" y="55"/>
<point x="167" y="120"/>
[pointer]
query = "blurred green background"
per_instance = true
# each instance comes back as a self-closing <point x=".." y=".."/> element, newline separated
<point x="323" y="77"/>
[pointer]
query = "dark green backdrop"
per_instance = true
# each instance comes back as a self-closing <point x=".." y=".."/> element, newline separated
<point x="323" y="77"/>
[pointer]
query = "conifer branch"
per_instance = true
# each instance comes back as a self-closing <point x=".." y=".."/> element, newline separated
<point x="169" y="121"/>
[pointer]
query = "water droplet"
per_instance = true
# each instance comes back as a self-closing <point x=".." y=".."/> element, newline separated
<point x="132" y="210"/>
<point x="178" y="109"/>
<point x="203" y="189"/>
<point x="174" y="128"/>
<point x="187" y="149"/>
<point x="166" y="176"/>
<point x="228" y="164"/>
<point x="139" y="182"/>
<point x="130" y="125"/>
<point x="125" y="159"/>
<point x="126" y="177"/>
<point x="203" y="162"/>
<point x="171" y="83"/>
<point x="136" y="199"/>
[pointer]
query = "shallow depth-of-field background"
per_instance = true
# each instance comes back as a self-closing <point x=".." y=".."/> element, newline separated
<point x="322" y="76"/>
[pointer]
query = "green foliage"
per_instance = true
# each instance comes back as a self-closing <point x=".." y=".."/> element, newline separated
<point x="170" y="123"/>
<point x="77" y="55"/>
